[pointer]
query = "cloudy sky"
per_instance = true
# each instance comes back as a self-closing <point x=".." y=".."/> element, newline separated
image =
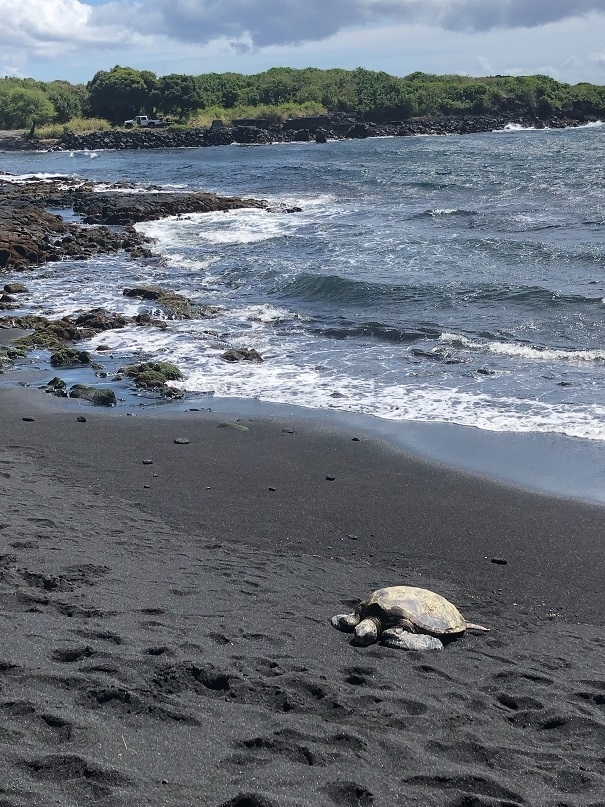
<point x="72" y="39"/>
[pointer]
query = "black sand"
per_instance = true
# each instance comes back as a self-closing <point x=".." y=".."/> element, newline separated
<point x="165" y="611"/>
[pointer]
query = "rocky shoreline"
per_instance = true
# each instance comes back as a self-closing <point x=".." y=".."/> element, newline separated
<point x="31" y="235"/>
<point x="257" y="132"/>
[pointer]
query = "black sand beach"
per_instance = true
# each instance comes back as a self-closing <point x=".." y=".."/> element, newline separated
<point x="166" y="636"/>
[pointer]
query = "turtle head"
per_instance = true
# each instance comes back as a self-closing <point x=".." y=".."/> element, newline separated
<point x="367" y="632"/>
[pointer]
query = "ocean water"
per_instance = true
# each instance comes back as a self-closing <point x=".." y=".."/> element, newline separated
<point x="430" y="279"/>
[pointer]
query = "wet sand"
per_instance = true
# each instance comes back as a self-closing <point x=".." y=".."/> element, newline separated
<point x="165" y="611"/>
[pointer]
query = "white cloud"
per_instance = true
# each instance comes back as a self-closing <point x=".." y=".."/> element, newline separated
<point x="45" y="28"/>
<point x="399" y="36"/>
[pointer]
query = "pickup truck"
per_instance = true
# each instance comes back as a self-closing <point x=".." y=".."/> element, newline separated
<point x="143" y="120"/>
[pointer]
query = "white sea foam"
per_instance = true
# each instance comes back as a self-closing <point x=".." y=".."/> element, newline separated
<point x="179" y="261"/>
<point x="103" y="187"/>
<point x="522" y="351"/>
<point x="44" y="177"/>
<point x="517" y="127"/>
<point x="286" y="376"/>
<point x="283" y="382"/>
<point x="267" y="313"/>
<point x="245" y="226"/>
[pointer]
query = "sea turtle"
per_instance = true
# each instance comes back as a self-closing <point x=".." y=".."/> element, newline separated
<point x="405" y="617"/>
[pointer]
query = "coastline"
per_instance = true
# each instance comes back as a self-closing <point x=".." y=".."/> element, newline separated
<point x="542" y="463"/>
<point x="319" y="129"/>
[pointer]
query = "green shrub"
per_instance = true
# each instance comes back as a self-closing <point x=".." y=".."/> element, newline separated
<point x="76" y="125"/>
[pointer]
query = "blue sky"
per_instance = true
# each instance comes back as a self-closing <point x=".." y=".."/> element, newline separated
<point x="72" y="39"/>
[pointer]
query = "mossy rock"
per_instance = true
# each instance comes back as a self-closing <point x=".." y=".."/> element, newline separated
<point x="67" y="356"/>
<point x="48" y="334"/>
<point x="172" y="392"/>
<point x="98" y="396"/>
<point x="150" y="380"/>
<point x="9" y="354"/>
<point x="175" y="306"/>
<point x="99" y="320"/>
<point x="152" y="374"/>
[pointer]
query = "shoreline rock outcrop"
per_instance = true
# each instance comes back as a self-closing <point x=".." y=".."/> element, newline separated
<point x="320" y="128"/>
<point x="30" y="235"/>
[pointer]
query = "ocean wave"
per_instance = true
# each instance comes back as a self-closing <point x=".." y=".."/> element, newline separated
<point x="518" y="127"/>
<point x="328" y="288"/>
<point x="287" y="377"/>
<point x="334" y="288"/>
<point x="278" y="382"/>
<point x="524" y="351"/>
<point x="246" y="226"/>
<point x="44" y="177"/>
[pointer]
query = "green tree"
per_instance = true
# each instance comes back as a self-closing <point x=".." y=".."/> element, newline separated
<point x="66" y="99"/>
<point x="380" y="96"/>
<point x="586" y="99"/>
<point x="177" y="94"/>
<point x="226" y="90"/>
<point x="121" y="92"/>
<point x="22" y="107"/>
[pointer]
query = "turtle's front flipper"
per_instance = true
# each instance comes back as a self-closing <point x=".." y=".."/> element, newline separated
<point x="345" y="622"/>
<point x="404" y="640"/>
<point x="473" y="626"/>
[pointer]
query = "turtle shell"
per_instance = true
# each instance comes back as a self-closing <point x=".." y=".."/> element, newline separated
<point x="428" y="612"/>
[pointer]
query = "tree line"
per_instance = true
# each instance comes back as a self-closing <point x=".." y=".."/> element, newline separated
<point x="122" y="92"/>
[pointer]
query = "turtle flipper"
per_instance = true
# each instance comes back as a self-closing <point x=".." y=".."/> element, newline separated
<point x="404" y="640"/>
<point x="472" y="626"/>
<point x="345" y="622"/>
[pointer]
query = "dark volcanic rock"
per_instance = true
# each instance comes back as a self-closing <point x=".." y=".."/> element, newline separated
<point x="99" y="320"/>
<point x="57" y="387"/>
<point x="124" y="208"/>
<point x="30" y="235"/>
<point x="242" y="354"/>
<point x="15" y="288"/>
